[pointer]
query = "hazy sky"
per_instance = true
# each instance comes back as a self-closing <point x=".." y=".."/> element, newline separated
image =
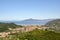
<point x="25" y="9"/>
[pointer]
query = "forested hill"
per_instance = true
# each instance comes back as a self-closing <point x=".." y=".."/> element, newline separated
<point x="5" y="26"/>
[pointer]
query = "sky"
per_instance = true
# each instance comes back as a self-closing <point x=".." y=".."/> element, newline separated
<point x="25" y="9"/>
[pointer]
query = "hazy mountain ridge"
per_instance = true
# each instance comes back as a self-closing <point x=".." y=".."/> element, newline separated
<point x="33" y="21"/>
<point x="29" y="21"/>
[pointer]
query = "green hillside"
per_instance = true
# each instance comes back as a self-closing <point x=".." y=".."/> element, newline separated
<point x="4" y="26"/>
<point x="34" y="35"/>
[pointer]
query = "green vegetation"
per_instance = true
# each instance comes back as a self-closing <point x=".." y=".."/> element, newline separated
<point x="34" y="35"/>
<point x="4" y="26"/>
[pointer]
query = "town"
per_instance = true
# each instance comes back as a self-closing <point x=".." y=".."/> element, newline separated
<point x="26" y="28"/>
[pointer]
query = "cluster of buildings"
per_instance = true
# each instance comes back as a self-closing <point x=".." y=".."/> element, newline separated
<point x="22" y="29"/>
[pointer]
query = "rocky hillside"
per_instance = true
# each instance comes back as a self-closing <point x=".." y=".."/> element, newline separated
<point x="55" y="24"/>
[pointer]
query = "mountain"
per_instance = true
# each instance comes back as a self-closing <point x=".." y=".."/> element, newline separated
<point x="32" y="22"/>
<point x="54" y="24"/>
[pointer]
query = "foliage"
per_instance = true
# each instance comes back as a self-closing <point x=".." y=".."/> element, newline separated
<point x="4" y="26"/>
<point x="34" y="35"/>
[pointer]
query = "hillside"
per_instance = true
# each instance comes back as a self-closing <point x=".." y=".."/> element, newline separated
<point x="55" y="24"/>
<point x="4" y="26"/>
<point x="34" y="35"/>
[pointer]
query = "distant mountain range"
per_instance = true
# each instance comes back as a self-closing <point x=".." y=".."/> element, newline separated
<point x="30" y="22"/>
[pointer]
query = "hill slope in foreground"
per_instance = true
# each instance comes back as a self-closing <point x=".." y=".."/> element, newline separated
<point x="34" y="35"/>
